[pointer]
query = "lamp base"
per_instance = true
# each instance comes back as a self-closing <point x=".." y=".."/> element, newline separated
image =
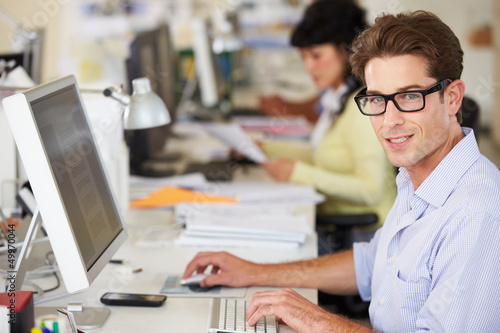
<point x="155" y="168"/>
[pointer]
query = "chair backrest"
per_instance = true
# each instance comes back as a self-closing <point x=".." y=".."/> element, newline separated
<point x="470" y="114"/>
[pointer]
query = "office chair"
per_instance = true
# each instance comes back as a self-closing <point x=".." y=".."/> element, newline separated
<point x="335" y="233"/>
<point x="470" y="115"/>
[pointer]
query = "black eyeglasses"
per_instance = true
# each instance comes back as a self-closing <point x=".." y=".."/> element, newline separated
<point x="406" y="101"/>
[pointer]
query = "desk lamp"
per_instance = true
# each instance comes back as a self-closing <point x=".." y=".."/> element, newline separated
<point x="144" y="109"/>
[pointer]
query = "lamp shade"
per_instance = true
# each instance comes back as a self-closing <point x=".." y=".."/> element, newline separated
<point x="146" y="109"/>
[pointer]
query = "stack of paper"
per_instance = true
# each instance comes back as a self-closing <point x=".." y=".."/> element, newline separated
<point x="242" y="225"/>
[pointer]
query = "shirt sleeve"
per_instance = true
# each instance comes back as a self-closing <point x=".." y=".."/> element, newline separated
<point x="364" y="259"/>
<point x="299" y="151"/>
<point x="465" y="290"/>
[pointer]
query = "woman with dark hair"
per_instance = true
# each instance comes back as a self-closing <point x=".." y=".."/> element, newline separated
<point x="343" y="159"/>
<point x="322" y="37"/>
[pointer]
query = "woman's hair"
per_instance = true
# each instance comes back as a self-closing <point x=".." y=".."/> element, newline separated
<point x="336" y="22"/>
<point x="329" y="21"/>
<point x="417" y="33"/>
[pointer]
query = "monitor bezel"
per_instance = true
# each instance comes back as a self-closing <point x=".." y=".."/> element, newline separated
<point x="52" y="209"/>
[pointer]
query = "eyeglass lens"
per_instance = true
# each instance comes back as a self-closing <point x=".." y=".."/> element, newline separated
<point x="410" y="101"/>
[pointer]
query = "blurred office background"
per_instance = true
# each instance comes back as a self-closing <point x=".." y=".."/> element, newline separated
<point x="90" y="39"/>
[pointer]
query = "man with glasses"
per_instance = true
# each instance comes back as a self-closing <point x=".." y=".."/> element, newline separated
<point x="435" y="264"/>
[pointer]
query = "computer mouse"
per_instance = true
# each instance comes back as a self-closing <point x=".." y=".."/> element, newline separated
<point x="193" y="280"/>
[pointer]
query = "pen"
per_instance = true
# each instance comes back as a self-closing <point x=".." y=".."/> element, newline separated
<point x="118" y="261"/>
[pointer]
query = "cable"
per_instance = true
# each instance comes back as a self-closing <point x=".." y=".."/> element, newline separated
<point x="40" y="272"/>
<point x="48" y="262"/>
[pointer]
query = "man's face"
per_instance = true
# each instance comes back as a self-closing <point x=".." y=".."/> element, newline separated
<point x="415" y="140"/>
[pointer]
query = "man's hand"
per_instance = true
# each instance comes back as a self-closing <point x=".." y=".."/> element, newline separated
<point x="297" y="312"/>
<point x="228" y="270"/>
<point x="280" y="169"/>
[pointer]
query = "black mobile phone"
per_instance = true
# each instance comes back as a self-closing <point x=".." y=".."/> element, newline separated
<point x="128" y="299"/>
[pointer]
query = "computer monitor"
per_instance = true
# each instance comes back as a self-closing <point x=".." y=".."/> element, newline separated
<point x="62" y="162"/>
<point x="152" y="55"/>
<point x="209" y="74"/>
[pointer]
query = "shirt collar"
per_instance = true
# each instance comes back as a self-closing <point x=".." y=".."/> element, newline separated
<point x="330" y="99"/>
<point x="437" y="187"/>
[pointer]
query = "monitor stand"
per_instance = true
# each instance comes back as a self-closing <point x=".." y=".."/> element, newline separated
<point x="85" y="317"/>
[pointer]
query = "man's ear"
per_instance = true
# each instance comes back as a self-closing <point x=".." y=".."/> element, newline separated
<point x="454" y="94"/>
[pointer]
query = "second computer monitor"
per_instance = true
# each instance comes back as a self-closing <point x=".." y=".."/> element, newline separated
<point x="152" y="55"/>
<point x="213" y="89"/>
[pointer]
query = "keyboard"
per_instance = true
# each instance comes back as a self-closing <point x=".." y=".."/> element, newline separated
<point x="229" y="315"/>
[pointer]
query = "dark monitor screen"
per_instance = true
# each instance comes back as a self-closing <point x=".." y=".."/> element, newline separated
<point x="153" y="56"/>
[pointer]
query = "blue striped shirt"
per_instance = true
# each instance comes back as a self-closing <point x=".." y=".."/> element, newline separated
<point x="435" y="264"/>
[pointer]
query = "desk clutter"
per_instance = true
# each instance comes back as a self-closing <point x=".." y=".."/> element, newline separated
<point x="238" y="215"/>
<point x="17" y="311"/>
<point x="174" y="193"/>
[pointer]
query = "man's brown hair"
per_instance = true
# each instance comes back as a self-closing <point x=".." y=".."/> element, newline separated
<point x="416" y="33"/>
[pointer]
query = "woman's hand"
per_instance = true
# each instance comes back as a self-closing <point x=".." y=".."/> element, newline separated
<point x="280" y="169"/>
<point x="273" y="106"/>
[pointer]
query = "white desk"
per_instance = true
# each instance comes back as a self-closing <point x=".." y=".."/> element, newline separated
<point x="189" y="315"/>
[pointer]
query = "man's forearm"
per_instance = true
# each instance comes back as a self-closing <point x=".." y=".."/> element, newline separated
<point x="332" y="274"/>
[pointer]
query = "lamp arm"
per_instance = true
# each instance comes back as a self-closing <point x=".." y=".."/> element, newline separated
<point x="117" y="95"/>
<point x="16" y="89"/>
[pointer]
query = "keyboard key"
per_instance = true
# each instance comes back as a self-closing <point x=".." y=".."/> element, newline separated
<point x="222" y="314"/>
<point x="240" y="315"/>
<point x="232" y="317"/>
<point x="261" y="325"/>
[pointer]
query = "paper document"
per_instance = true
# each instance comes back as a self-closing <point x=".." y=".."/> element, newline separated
<point x="265" y="192"/>
<point x="185" y="210"/>
<point x="185" y="240"/>
<point x="192" y="180"/>
<point x="141" y="187"/>
<point x="171" y="195"/>
<point x="159" y="236"/>
<point x="234" y="136"/>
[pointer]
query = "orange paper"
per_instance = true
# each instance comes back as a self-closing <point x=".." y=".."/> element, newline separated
<point x="171" y="195"/>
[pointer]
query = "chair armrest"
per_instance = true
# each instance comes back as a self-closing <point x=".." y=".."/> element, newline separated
<point x="347" y="220"/>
